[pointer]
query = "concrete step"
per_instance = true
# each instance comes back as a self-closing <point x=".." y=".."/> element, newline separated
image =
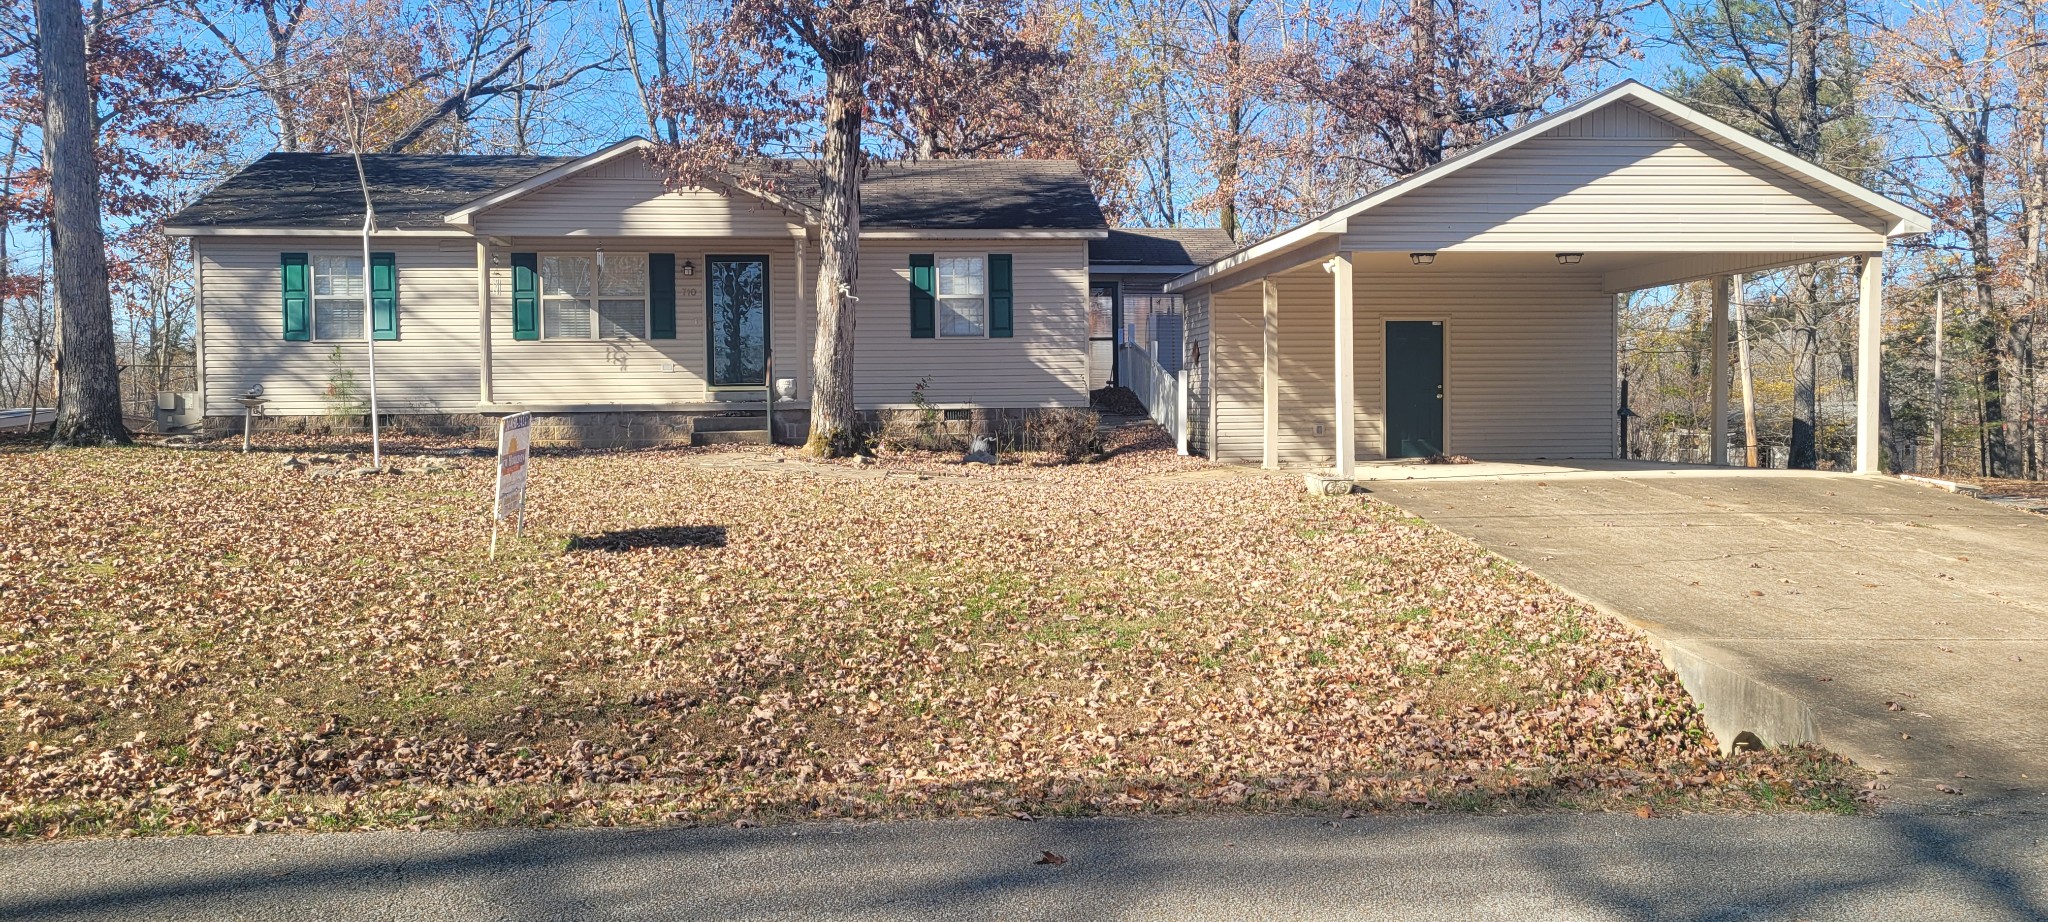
<point x="731" y="437"/>
<point x="730" y="423"/>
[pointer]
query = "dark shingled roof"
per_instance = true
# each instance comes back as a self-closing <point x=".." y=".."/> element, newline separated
<point x="415" y="191"/>
<point x="1163" y="246"/>
<point x="319" y="191"/>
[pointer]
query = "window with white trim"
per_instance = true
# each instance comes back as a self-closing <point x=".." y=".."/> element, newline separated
<point x="578" y="300"/>
<point x="338" y="298"/>
<point x="963" y="296"/>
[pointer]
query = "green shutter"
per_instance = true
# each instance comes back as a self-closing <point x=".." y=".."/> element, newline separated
<point x="999" y="296"/>
<point x="661" y="295"/>
<point x="298" y="313"/>
<point x="383" y="296"/>
<point x="525" y="296"/>
<point x="924" y="288"/>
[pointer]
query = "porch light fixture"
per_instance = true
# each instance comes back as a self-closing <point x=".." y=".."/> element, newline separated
<point x="689" y="269"/>
<point x="1570" y="259"/>
<point x="1422" y="259"/>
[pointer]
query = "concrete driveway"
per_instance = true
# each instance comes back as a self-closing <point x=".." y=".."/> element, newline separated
<point x="1913" y="622"/>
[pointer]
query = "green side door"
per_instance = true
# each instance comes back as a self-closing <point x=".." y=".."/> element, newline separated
<point x="1415" y="388"/>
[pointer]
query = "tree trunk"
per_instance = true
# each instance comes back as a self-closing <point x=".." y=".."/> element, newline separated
<point x="89" y="387"/>
<point x="1804" y="453"/>
<point x="1232" y="154"/>
<point x="832" y="414"/>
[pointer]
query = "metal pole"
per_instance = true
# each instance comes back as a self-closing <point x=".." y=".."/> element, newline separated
<point x="1940" y="398"/>
<point x="370" y="333"/>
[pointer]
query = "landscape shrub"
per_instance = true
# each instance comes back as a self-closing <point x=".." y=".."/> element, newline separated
<point x="1063" y="431"/>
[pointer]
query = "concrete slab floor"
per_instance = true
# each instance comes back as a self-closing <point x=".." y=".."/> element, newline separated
<point x="1912" y="621"/>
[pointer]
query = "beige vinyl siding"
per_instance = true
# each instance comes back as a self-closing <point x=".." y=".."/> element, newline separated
<point x="1529" y="366"/>
<point x="1618" y="178"/>
<point x="430" y="368"/>
<point x="1237" y="354"/>
<point x="626" y="197"/>
<point x="1044" y="364"/>
<point x="1529" y="360"/>
<point x="635" y="371"/>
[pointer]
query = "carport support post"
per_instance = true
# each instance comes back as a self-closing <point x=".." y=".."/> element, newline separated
<point x="1347" y="390"/>
<point x="1869" y="358"/>
<point x="1271" y="459"/>
<point x="1717" y="402"/>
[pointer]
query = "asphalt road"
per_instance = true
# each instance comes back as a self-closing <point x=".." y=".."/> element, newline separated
<point x="1893" y="866"/>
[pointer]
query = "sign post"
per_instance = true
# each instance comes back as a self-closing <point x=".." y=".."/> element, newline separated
<point x="515" y="436"/>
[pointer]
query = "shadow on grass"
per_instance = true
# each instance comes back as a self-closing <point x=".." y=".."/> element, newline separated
<point x="633" y="539"/>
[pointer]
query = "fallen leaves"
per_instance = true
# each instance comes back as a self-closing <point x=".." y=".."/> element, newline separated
<point x="1050" y="858"/>
<point x="204" y="641"/>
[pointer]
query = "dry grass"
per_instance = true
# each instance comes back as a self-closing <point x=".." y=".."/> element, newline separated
<point x="197" y="640"/>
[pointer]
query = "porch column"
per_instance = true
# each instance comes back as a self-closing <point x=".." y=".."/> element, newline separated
<point x="1272" y="374"/>
<point x="1869" y="356"/>
<point x="1347" y="392"/>
<point x="1717" y="402"/>
<point x="483" y="320"/>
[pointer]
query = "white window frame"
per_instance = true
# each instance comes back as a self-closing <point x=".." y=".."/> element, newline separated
<point x="939" y="297"/>
<point x="591" y="300"/>
<point x="313" y="298"/>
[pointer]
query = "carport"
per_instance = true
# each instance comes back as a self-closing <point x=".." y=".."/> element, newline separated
<point x="1470" y="309"/>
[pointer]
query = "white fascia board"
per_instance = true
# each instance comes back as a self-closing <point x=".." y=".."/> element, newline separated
<point x="943" y="234"/>
<point x="1123" y="269"/>
<point x="305" y="232"/>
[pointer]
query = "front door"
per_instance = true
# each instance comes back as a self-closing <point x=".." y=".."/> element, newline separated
<point x="1415" y="388"/>
<point x="736" y="290"/>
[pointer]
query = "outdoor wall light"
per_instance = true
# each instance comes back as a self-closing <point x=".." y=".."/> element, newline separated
<point x="1422" y="259"/>
<point x="600" y="257"/>
<point x="689" y="269"/>
<point x="1570" y="259"/>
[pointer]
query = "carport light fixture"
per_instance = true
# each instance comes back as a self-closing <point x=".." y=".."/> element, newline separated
<point x="1422" y="259"/>
<point x="1570" y="259"/>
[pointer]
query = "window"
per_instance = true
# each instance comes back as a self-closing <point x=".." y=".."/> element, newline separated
<point x="963" y="296"/>
<point x="565" y="296"/>
<point x="612" y="306"/>
<point x="622" y="297"/>
<point x="338" y="297"/>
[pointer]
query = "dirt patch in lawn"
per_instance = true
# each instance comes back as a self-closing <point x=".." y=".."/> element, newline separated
<point x="198" y="640"/>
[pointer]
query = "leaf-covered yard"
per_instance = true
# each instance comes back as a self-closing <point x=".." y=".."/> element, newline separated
<point x="197" y="640"/>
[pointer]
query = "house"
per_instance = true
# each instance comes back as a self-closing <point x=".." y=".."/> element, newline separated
<point x="623" y="311"/>
<point x="1467" y="309"/>
<point x="1470" y="308"/>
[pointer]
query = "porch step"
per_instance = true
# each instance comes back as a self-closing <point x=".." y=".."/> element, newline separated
<point x="730" y="437"/>
<point x="755" y="421"/>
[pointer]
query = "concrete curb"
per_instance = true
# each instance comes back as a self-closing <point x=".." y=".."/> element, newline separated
<point x="1741" y="712"/>
<point x="1948" y="485"/>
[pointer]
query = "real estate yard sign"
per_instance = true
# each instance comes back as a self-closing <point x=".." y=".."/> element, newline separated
<point x="515" y="437"/>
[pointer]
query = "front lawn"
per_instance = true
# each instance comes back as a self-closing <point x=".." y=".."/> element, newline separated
<point x="198" y="640"/>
